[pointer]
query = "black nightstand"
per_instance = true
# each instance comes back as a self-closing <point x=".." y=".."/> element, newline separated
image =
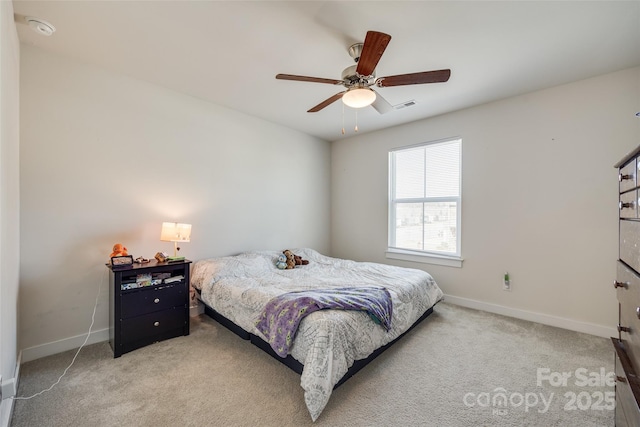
<point x="148" y="303"/>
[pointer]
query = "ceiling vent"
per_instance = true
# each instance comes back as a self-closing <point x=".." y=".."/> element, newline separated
<point x="406" y="104"/>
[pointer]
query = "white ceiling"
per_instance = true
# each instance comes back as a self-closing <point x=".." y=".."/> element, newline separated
<point x="228" y="52"/>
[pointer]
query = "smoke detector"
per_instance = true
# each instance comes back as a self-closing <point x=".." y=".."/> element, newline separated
<point x="40" y="26"/>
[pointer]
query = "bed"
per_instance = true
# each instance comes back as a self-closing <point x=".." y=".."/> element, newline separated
<point x="330" y="345"/>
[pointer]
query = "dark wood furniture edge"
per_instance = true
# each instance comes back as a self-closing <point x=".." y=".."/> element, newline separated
<point x="628" y="157"/>
<point x="632" y="377"/>
<point x="292" y="363"/>
<point x="153" y="263"/>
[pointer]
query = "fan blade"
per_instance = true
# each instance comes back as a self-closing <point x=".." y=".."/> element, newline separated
<point x="374" y="45"/>
<point x="326" y="102"/>
<point x="381" y="105"/>
<point x="307" y="79"/>
<point x="439" y="76"/>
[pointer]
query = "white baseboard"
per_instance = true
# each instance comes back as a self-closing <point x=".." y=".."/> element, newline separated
<point x="545" y="319"/>
<point x="48" y="349"/>
<point x="6" y="409"/>
<point x="9" y="390"/>
<point x="43" y="350"/>
<point x="55" y="347"/>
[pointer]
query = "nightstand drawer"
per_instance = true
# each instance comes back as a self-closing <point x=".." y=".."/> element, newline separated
<point x="144" y="301"/>
<point x="153" y="327"/>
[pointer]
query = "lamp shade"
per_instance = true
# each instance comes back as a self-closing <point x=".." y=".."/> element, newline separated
<point x="175" y="232"/>
<point x="359" y="97"/>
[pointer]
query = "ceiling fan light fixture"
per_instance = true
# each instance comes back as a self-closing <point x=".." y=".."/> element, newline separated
<point x="359" y="97"/>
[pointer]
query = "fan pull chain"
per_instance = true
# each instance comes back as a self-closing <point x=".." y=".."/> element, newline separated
<point x="343" y="118"/>
<point x="356" y="128"/>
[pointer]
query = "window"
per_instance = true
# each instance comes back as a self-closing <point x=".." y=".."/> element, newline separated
<point x="424" y="201"/>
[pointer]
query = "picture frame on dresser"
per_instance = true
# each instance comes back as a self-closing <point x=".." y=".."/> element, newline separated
<point x="124" y="261"/>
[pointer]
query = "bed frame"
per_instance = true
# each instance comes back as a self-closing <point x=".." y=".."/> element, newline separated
<point x="292" y="363"/>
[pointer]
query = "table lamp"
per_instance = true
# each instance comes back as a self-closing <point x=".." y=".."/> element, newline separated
<point x="175" y="232"/>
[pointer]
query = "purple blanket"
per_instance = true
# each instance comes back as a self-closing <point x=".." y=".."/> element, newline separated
<point x="282" y="315"/>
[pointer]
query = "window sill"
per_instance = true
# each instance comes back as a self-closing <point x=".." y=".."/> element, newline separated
<point x="449" y="261"/>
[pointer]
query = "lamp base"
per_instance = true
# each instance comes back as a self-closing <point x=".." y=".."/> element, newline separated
<point x="175" y="258"/>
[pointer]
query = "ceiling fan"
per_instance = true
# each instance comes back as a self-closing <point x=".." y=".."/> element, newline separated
<point x="358" y="79"/>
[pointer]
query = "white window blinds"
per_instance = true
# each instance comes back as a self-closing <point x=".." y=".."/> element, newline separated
<point x="424" y="198"/>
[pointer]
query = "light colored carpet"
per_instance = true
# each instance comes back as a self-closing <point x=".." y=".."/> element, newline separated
<point x="445" y="372"/>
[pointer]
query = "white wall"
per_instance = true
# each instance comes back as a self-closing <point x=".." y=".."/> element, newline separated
<point x="9" y="204"/>
<point x="539" y="199"/>
<point x="106" y="158"/>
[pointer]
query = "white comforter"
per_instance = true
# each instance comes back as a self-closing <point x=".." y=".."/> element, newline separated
<point x="328" y="341"/>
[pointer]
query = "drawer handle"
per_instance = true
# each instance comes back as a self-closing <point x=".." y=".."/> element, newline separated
<point x="156" y="323"/>
<point x="622" y="177"/>
<point x="617" y="284"/>
<point x="628" y="205"/>
<point x="157" y="300"/>
<point x="638" y="312"/>
<point x="623" y="329"/>
<point x="621" y="379"/>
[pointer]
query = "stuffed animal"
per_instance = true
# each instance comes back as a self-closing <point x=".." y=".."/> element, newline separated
<point x="118" y="250"/>
<point x="291" y="262"/>
<point x="281" y="262"/>
<point x="299" y="260"/>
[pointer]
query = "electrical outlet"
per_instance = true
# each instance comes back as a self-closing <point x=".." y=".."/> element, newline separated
<point x="506" y="282"/>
